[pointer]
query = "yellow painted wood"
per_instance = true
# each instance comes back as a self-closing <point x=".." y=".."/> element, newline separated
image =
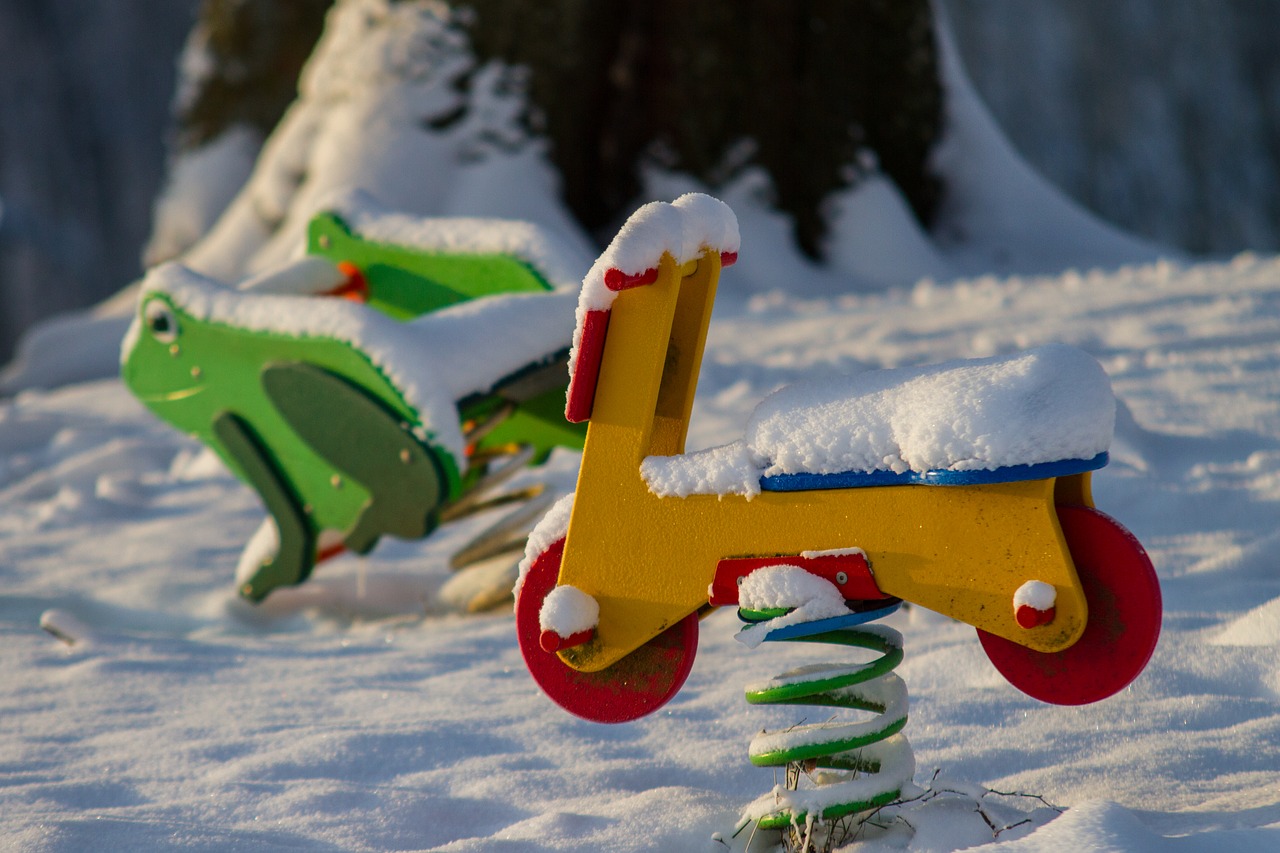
<point x="959" y="550"/>
<point x="1076" y="490"/>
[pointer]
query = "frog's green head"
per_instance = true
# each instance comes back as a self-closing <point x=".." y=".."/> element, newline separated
<point x="157" y="362"/>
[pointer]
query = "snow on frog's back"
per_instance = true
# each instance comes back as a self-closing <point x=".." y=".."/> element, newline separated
<point x="429" y="362"/>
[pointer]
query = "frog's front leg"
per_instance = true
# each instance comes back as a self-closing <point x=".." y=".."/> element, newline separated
<point x="367" y="442"/>
<point x="295" y="554"/>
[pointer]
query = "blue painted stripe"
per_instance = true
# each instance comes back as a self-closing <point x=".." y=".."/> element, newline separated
<point x="834" y="623"/>
<point x="860" y="479"/>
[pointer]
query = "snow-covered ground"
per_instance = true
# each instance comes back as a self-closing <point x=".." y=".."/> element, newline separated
<point x="358" y="712"/>
<point x="354" y="713"/>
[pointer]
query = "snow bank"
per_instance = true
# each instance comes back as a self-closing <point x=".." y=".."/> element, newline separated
<point x="391" y="104"/>
<point x="320" y="721"/>
<point x="998" y="214"/>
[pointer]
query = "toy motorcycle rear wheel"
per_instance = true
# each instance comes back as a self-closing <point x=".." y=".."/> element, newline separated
<point x="1123" y="593"/>
<point x="636" y="685"/>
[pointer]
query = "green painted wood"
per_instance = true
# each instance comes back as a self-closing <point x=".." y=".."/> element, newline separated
<point x="368" y="445"/>
<point x="406" y="282"/>
<point x="294" y="558"/>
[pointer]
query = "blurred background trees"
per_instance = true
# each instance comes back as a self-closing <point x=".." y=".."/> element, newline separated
<point x="1163" y="118"/>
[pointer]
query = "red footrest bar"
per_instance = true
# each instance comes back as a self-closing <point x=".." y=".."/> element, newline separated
<point x="849" y="571"/>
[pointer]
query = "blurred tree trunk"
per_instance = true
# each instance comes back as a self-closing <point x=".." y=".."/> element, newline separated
<point x="806" y="89"/>
<point x="815" y="92"/>
<point x="247" y="55"/>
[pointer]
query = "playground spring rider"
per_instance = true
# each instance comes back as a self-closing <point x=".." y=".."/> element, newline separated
<point x="356" y="421"/>
<point x="1065" y="600"/>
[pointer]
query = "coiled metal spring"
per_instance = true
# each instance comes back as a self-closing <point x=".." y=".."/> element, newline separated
<point x="853" y="766"/>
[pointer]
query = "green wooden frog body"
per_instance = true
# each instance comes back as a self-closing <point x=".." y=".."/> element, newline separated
<point x="330" y="409"/>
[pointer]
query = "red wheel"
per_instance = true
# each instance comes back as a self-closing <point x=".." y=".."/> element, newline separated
<point x="639" y="684"/>
<point x="1123" y="594"/>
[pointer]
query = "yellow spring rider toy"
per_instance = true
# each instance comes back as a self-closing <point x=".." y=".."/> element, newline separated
<point x="1001" y="533"/>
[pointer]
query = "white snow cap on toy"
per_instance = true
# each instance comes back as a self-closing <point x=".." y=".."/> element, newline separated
<point x="553" y="526"/>
<point x="729" y="469"/>
<point x="431" y="359"/>
<point x="568" y="610"/>
<point x="789" y="587"/>
<point x="1035" y="594"/>
<point x="552" y="257"/>
<point x="685" y="228"/>
<point x="807" y="597"/>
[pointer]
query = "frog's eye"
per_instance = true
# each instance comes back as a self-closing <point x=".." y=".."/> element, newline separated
<point x="161" y="322"/>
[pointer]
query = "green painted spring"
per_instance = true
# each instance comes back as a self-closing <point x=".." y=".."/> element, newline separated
<point x="851" y="767"/>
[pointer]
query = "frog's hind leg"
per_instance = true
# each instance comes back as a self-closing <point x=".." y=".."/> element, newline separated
<point x="368" y="443"/>
<point x="294" y="556"/>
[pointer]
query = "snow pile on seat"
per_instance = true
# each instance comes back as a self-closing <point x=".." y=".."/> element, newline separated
<point x="1049" y="404"/>
<point x="433" y="360"/>
<point x="685" y="228"/>
<point x="1045" y="405"/>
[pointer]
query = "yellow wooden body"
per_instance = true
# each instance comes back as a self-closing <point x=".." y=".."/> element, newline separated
<point x="959" y="550"/>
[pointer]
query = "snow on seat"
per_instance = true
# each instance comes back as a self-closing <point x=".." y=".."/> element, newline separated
<point x="1044" y="413"/>
<point x="684" y="229"/>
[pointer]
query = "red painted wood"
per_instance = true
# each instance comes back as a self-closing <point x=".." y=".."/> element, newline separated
<point x="550" y="641"/>
<point x="330" y="552"/>
<point x="586" y="373"/>
<point x="1030" y="617"/>
<point x="859" y="583"/>
<point x="1123" y="593"/>
<point x="616" y="279"/>
<point x="355" y="288"/>
<point x="595" y="325"/>
<point x="639" y="684"/>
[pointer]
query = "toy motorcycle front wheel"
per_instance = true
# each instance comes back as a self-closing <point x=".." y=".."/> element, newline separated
<point x="1123" y="593"/>
<point x="636" y="685"/>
